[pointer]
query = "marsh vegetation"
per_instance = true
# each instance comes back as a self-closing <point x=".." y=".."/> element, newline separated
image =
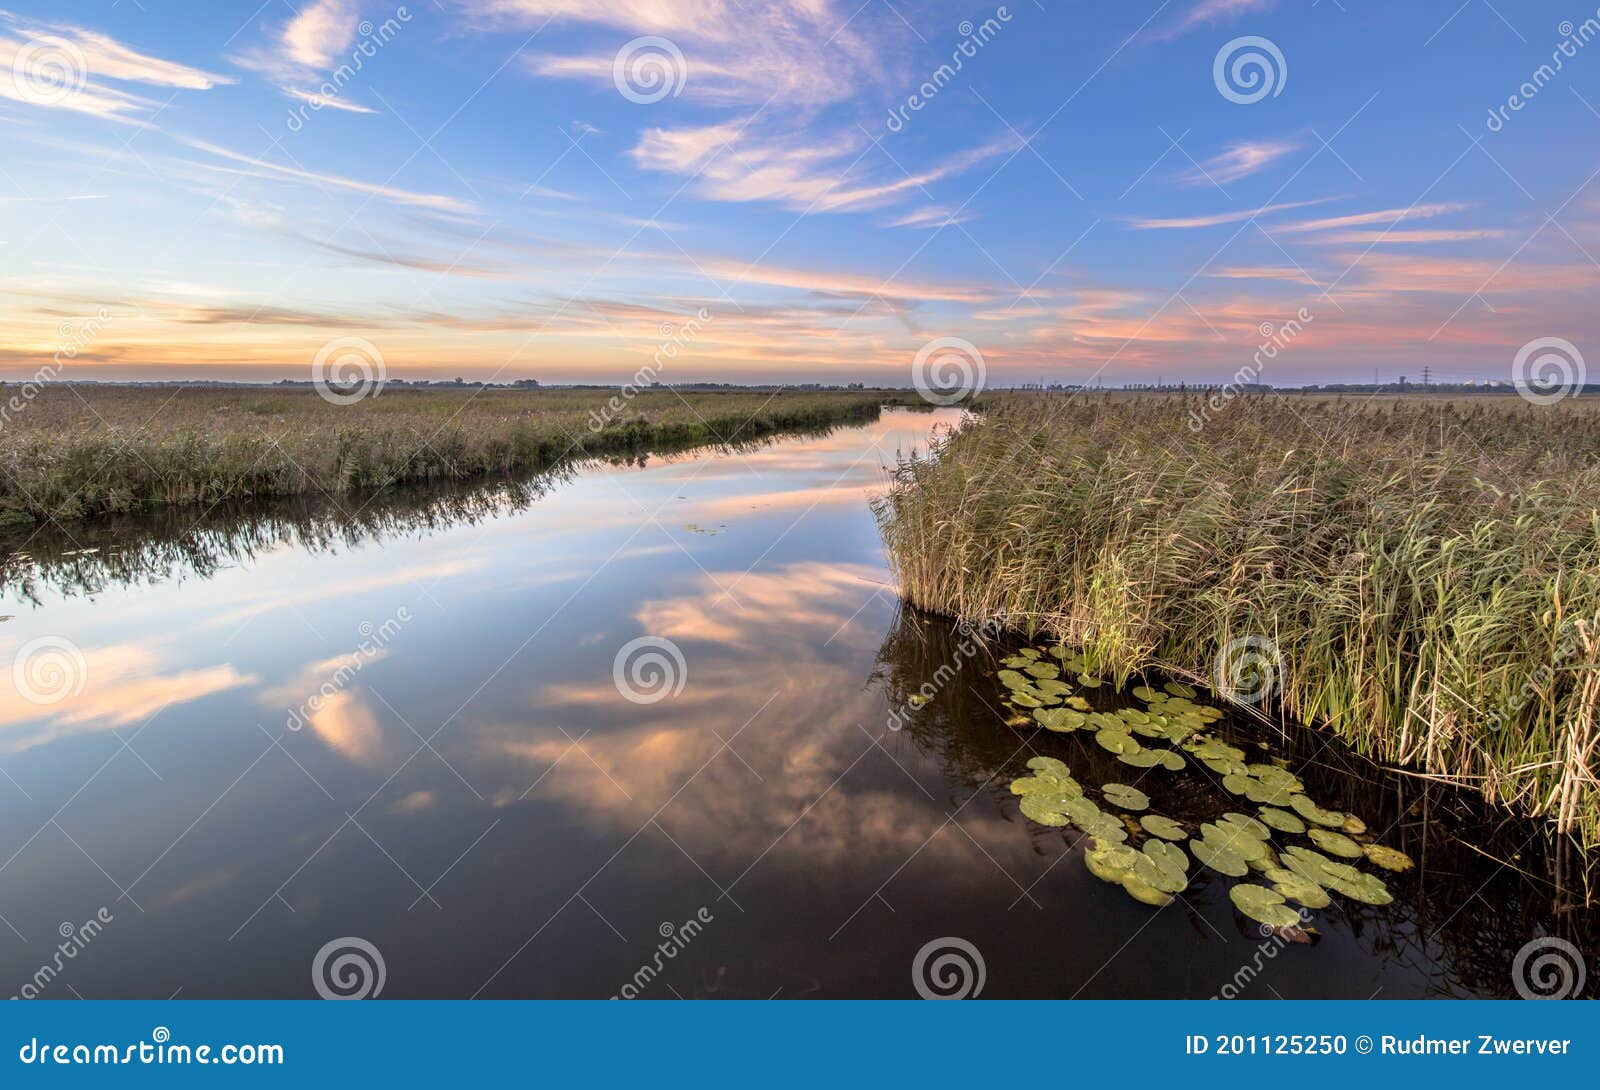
<point x="83" y="452"/>
<point x="1424" y="573"/>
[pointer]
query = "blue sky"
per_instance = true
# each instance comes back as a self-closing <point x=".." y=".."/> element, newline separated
<point x="221" y="190"/>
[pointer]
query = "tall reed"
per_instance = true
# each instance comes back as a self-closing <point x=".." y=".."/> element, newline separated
<point x="1427" y="571"/>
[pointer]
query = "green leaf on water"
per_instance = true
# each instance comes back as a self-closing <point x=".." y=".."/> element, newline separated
<point x="1315" y="814"/>
<point x="1172" y="762"/>
<point x="1120" y="794"/>
<point x="1388" y="858"/>
<point x="1144" y="892"/>
<point x="1029" y="653"/>
<point x="1052" y="687"/>
<point x="1116" y="741"/>
<point x="1144" y="758"/>
<point x="1247" y="824"/>
<point x="1051" y="765"/>
<point x="1153" y="874"/>
<point x="1297" y="887"/>
<point x="1088" y="681"/>
<point x="1282" y="820"/>
<point x="1043" y="670"/>
<point x="1146" y="694"/>
<point x="1110" y="863"/>
<point x="1025" y="700"/>
<point x="1179" y="689"/>
<point x="1012" y="680"/>
<point x="1263" y="905"/>
<point x="1335" y="843"/>
<point x="1237" y="783"/>
<point x="1036" y="807"/>
<point x="1060" y="720"/>
<point x="1218" y="857"/>
<point x="1164" y="827"/>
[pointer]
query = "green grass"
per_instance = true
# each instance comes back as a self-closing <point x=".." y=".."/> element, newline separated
<point x="1428" y="570"/>
<point x="80" y="453"/>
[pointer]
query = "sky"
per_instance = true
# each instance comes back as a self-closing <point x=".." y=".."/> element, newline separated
<point x="797" y="190"/>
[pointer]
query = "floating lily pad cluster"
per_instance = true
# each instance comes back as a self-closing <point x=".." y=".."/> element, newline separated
<point x="1144" y="851"/>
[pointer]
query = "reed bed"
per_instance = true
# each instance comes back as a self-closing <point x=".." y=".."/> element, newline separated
<point x="74" y="453"/>
<point x="1423" y="574"/>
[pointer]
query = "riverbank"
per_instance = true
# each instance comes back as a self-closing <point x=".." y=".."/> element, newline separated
<point x="1420" y="577"/>
<point x="73" y="453"/>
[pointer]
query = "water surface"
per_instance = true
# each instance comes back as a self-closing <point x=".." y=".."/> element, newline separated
<point x="404" y="724"/>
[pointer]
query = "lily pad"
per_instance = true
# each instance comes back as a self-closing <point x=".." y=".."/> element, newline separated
<point x="1116" y="741"/>
<point x="1263" y="905"/>
<point x="1297" y="887"/>
<point x="1036" y="809"/>
<point x="1013" y="680"/>
<point x="1282" y="820"/>
<point x="1315" y="814"/>
<point x="1247" y="824"/>
<point x="1059" y="720"/>
<point x="1143" y="892"/>
<point x="1178" y="688"/>
<point x="1027" y="785"/>
<point x="1050" y="765"/>
<point x="1088" y="681"/>
<point x="1237" y="783"/>
<point x="1055" y="688"/>
<point x="1043" y="670"/>
<point x="1163" y="827"/>
<point x="1388" y="858"/>
<point x="1335" y="843"/>
<point x="1026" y="700"/>
<point x="1219" y="857"/>
<point x="1110" y="862"/>
<point x="1143" y="758"/>
<point x="1164" y="878"/>
<point x="1120" y="794"/>
<point x="1172" y="762"/>
<point x="1147" y="694"/>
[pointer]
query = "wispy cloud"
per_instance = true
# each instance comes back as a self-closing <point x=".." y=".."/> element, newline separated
<point x="799" y="52"/>
<point x="1209" y="13"/>
<point x="932" y="215"/>
<point x="61" y="66"/>
<point x="261" y="168"/>
<point x="1236" y="216"/>
<point x="731" y="163"/>
<point x="305" y="50"/>
<point x="1239" y="161"/>
<point x="321" y="31"/>
<point x="1364" y="219"/>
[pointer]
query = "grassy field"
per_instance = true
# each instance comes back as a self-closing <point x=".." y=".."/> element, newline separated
<point x="1422" y="576"/>
<point x="73" y="453"/>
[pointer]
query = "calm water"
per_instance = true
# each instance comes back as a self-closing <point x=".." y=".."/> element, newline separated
<point x="407" y="727"/>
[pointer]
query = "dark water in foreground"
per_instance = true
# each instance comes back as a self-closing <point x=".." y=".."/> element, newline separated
<point x="467" y="790"/>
